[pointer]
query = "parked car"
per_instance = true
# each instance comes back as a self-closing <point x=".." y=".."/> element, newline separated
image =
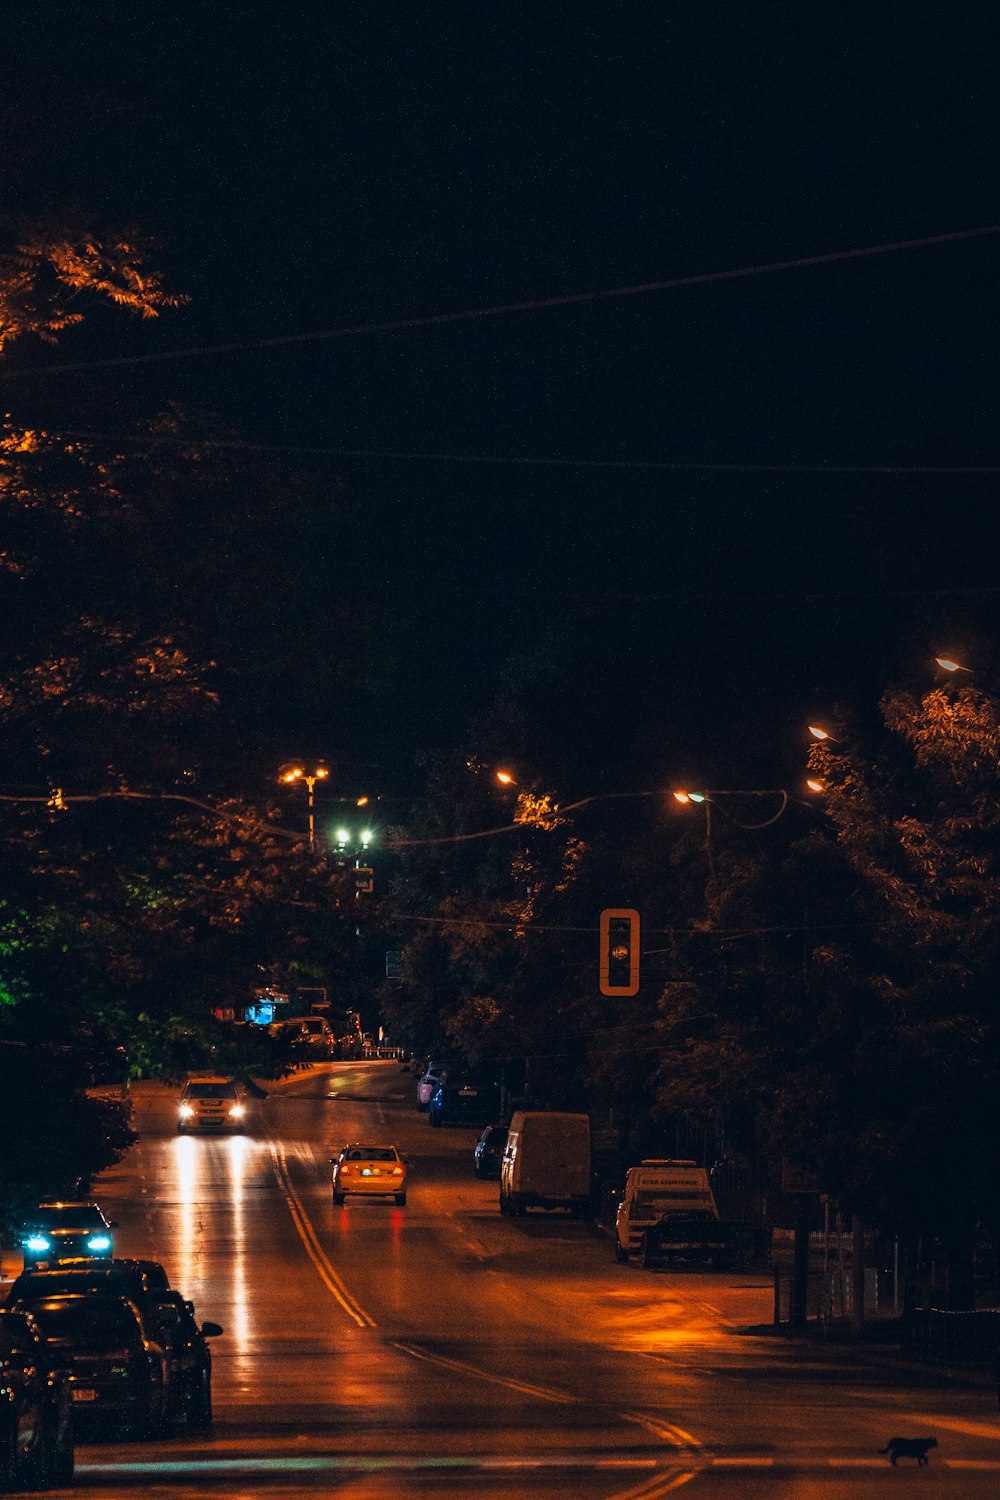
<point x="434" y="1074"/>
<point x="460" y="1100"/>
<point x="211" y="1104"/>
<point x="58" y="1231"/>
<point x="168" y="1316"/>
<point x="36" y="1421"/>
<point x="117" y="1371"/>
<point x="488" y="1152"/>
<point x="371" y="1171"/>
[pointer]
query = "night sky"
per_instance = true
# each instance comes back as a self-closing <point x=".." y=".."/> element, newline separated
<point x="314" y="167"/>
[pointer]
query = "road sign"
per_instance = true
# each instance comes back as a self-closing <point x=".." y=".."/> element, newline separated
<point x="619" y="962"/>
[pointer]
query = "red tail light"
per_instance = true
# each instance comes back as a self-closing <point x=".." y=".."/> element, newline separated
<point x="397" y="1171"/>
<point x="345" y="1170"/>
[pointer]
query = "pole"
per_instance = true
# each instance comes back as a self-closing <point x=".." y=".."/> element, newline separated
<point x="857" y="1277"/>
<point x="310" y="783"/>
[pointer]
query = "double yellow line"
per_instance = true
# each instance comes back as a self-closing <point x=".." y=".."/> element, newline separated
<point x="313" y="1248"/>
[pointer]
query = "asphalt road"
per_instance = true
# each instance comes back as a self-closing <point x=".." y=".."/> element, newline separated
<point x="439" y="1349"/>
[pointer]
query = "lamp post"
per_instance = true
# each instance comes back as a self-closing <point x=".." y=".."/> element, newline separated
<point x="706" y="798"/>
<point x="295" y="772"/>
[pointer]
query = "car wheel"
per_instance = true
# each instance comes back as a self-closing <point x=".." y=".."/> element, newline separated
<point x="401" y="1199"/>
<point x="199" y="1403"/>
<point x="338" y="1200"/>
<point x="61" y="1459"/>
<point x="8" y="1455"/>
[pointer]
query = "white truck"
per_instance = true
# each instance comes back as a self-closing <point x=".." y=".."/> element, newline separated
<point x="668" y="1213"/>
<point x="546" y="1163"/>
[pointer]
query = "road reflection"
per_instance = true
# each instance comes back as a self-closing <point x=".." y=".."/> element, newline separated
<point x="197" y="1166"/>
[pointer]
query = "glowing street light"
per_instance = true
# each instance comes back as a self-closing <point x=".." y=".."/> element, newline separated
<point x="505" y="778"/>
<point x="819" y="733"/>
<point x="295" y="772"/>
<point x="814" y="785"/>
<point x="951" y="666"/>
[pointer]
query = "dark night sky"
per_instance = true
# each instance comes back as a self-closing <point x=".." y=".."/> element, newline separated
<point x="310" y="167"/>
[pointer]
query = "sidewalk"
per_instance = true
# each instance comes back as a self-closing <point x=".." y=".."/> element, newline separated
<point x="878" y="1347"/>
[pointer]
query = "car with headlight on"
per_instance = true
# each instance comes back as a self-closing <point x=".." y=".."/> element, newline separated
<point x="369" y="1171"/>
<point x="62" y="1231"/>
<point x="211" y="1104"/>
<point x="36" y="1420"/>
<point x="119" y="1375"/>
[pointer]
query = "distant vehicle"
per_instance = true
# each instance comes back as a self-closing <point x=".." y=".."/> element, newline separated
<point x="463" y="1101"/>
<point x="546" y="1163"/>
<point x="58" y="1231"/>
<point x="434" y="1074"/>
<point x="488" y="1152"/>
<point x="169" y="1318"/>
<point x="36" y="1420"/>
<point x="117" y="1371"/>
<point x="211" y="1104"/>
<point x="371" y="1171"/>
<point x="316" y="1034"/>
<point x="668" y="1213"/>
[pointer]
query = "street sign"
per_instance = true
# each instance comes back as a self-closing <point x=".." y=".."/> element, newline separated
<point x="619" y="960"/>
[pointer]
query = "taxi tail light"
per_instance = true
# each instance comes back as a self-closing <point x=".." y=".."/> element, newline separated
<point x="345" y="1170"/>
<point x="397" y="1171"/>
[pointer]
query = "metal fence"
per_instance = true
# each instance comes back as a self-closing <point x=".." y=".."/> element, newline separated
<point x="964" y="1340"/>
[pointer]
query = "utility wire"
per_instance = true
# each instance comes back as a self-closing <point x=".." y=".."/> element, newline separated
<point x="535" y="304"/>
<point x="500" y="460"/>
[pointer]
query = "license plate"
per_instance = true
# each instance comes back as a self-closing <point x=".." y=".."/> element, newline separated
<point x="80" y="1393"/>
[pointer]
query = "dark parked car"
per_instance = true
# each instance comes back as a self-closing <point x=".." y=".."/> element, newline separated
<point x="488" y="1152"/>
<point x="36" y="1423"/>
<point x="118" y="1373"/>
<point x="59" y="1231"/>
<point x="168" y="1316"/>
<point x="468" y="1101"/>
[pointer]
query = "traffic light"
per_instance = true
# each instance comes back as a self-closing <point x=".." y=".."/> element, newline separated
<point x="619" y="965"/>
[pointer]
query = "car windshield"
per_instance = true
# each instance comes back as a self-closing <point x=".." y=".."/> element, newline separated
<point x="88" y="1322"/>
<point x="371" y="1153"/>
<point x="72" y="1216"/>
<point x="210" y="1091"/>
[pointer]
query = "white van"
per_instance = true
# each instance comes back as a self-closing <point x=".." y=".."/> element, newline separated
<point x="655" y="1189"/>
<point x="546" y="1163"/>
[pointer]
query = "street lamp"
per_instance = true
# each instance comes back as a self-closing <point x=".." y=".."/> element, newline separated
<point x="295" y="772"/>
<point x="505" y="778"/>
<point x="951" y="666"/>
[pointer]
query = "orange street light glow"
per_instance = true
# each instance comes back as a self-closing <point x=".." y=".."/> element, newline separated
<point x="292" y="775"/>
<point x="819" y="733"/>
<point x="361" y="802"/>
<point x="950" y="666"/>
<point x="814" y="786"/>
<point x="682" y="797"/>
<point x="505" y="777"/>
<point x="320" y="772"/>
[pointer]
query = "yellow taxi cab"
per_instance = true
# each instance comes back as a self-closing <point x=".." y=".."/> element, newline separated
<point x="375" y="1171"/>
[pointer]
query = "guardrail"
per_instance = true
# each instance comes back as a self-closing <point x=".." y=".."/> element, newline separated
<point x="377" y="1052"/>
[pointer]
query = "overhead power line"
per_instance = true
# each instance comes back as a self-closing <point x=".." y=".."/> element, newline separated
<point x="306" y="450"/>
<point x="504" y="309"/>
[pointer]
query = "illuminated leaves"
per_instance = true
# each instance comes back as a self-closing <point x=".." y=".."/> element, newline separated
<point x="50" y="267"/>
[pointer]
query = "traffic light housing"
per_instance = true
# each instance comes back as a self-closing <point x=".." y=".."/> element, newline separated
<point x="619" y="962"/>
